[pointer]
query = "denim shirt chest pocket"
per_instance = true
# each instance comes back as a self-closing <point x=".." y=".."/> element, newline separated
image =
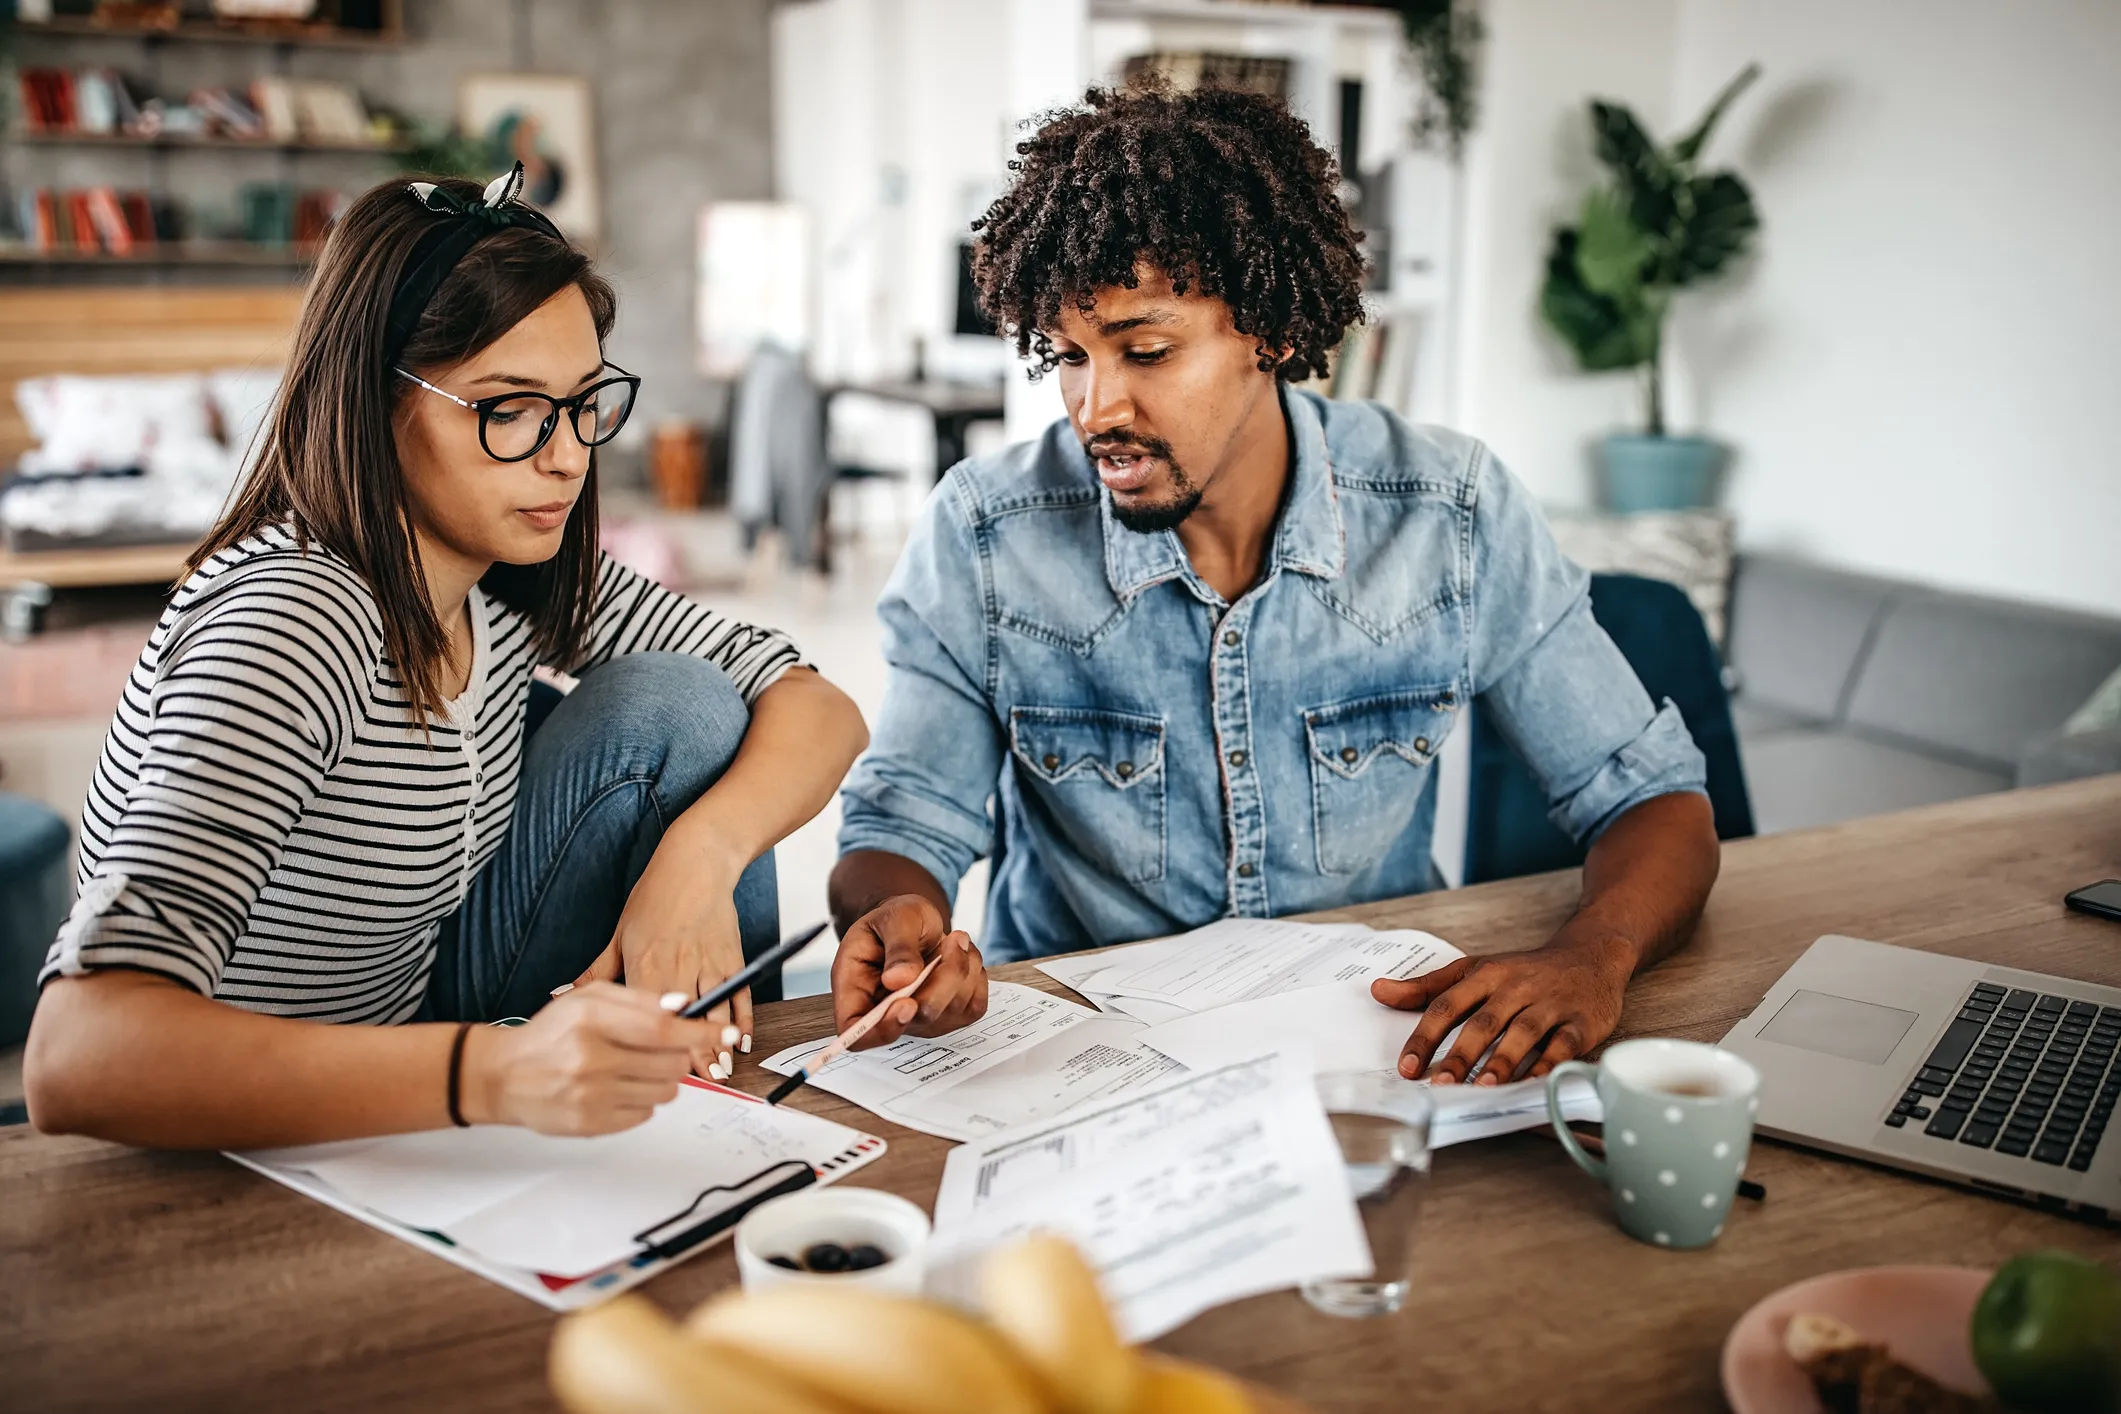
<point x="1100" y="774"/>
<point x="1370" y="762"/>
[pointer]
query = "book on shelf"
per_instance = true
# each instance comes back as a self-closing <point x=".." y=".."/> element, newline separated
<point x="108" y="218"/>
<point x="97" y="220"/>
<point x="82" y="223"/>
<point x="274" y="98"/>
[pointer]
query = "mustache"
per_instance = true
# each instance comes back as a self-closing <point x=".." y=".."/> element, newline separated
<point x="1108" y="443"/>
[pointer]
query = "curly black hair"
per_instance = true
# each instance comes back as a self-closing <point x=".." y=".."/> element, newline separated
<point x="1221" y="190"/>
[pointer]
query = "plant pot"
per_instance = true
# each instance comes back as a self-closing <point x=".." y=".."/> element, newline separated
<point x="1639" y="473"/>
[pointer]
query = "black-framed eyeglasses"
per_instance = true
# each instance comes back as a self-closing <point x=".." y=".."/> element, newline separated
<point x="514" y="427"/>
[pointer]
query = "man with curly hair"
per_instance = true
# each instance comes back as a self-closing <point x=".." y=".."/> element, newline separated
<point x="1192" y="653"/>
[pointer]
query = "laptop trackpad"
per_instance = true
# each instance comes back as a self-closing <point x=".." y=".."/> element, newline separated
<point x="1837" y="1026"/>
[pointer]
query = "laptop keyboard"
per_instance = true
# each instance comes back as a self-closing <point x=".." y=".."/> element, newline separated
<point x="2020" y="1072"/>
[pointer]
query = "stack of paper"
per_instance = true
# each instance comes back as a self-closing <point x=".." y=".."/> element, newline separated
<point x="1031" y="1056"/>
<point x="1207" y="1189"/>
<point x="559" y="1219"/>
<point x="1242" y="987"/>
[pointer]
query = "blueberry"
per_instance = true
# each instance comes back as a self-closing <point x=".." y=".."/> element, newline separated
<point x="862" y="1258"/>
<point x="826" y="1257"/>
<point x="789" y="1262"/>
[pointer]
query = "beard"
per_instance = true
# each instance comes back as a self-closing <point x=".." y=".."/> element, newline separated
<point x="1148" y="519"/>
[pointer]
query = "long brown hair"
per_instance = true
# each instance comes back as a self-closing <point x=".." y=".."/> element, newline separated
<point x="328" y="465"/>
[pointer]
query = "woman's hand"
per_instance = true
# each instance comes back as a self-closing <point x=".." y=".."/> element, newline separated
<point x="596" y="1060"/>
<point x="885" y="950"/>
<point x="678" y="933"/>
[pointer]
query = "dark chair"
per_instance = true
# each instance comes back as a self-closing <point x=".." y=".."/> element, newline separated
<point x="1662" y="636"/>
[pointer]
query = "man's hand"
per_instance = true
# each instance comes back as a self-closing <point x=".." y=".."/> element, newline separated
<point x="885" y="950"/>
<point x="1548" y="1005"/>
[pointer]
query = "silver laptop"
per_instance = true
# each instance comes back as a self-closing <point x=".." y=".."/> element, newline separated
<point x="1988" y="1076"/>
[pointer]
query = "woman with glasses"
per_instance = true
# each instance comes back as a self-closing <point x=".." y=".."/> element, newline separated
<point x="332" y="792"/>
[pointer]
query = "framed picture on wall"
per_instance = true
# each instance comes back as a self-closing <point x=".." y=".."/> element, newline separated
<point x="548" y="122"/>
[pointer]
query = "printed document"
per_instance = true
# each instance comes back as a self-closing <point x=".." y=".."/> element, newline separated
<point x="1208" y="1188"/>
<point x="1030" y="1057"/>
<point x="1243" y="959"/>
<point x="1340" y="1026"/>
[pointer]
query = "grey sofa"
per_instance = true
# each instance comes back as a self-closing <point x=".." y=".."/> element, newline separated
<point x="1855" y="695"/>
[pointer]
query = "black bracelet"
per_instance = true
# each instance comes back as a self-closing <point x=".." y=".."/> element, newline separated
<point x="456" y="1077"/>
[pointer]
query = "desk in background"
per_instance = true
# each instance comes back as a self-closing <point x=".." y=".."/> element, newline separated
<point x="160" y="1280"/>
<point x="953" y="406"/>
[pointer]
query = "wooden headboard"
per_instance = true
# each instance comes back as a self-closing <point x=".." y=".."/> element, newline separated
<point x="135" y="330"/>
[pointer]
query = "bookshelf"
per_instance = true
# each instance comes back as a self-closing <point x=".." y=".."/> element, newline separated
<point x="232" y="144"/>
<point x="224" y="254"/>
<point x="391" y="35"/>
<point x="77" y="106"/>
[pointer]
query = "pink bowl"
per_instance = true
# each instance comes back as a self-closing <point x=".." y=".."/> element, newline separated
<point x="1922" y="1314"/>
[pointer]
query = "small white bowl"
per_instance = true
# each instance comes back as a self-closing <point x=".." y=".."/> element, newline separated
<point x="787" y="1226"/>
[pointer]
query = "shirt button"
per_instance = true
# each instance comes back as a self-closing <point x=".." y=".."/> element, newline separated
<point x="1125" y="769"/>
<point x="1231" y="638"/>
<point x="1051" y="762"/>
<point x="1350" y="755"/>
<point x="1237" y="758"/>
<point x="1246" y="871"/>
<point x="477" y="776"/>
<point x="1421" y="743"/>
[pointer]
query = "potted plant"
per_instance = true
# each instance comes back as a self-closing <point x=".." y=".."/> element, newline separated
<point x="1658" y="226"/>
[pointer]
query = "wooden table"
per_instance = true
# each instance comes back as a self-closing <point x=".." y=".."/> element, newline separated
<point x="138" y="1280"/>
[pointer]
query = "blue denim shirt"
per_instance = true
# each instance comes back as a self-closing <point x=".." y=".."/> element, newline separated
<point x="1153" y="758"/>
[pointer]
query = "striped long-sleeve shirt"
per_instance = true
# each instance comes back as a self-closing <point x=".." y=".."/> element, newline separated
<point x="269" y="825"/>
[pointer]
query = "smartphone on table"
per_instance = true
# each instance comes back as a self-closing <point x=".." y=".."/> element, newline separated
<point x="2102" y="899"/>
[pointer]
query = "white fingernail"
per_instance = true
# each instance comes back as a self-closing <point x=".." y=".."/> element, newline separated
<point x="728" y="1063"/>
<point x="563" y="987"/>
<point x="715" y="1072"/>
<point x="729" y="1035"/>
<point x="747" y="1045"/>
<point x="673" y="1001"/>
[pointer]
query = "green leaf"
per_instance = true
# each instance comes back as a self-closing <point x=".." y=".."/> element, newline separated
<point x="1689" y="147"/>
<point x="1722" y="225"/>
<point x="1641" y="171"/>
<point x="1612" y="253"/>
<point x="1603" y="333"/>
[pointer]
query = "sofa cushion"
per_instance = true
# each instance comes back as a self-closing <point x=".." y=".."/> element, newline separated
<point x="1979" y="678"/>
<point x="2070" y="756"/>
<point x="1822" y="777"/>
<point x="1797" y="631"/>
<point x="1755" y="718"/>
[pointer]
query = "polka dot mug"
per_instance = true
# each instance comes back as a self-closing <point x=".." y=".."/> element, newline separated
<point x="1678" y="1123"/>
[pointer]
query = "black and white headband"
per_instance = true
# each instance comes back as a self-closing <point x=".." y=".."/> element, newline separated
<point x="438" y="251"/>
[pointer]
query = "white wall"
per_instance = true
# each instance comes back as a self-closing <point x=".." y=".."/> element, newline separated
<point x="1921" y="371"/>
<point x="1918" y="370"/>
<point x="1525" y="170"/>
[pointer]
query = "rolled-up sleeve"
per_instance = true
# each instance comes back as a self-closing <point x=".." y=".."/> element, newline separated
<point x="922" y="789"/>
<point x="1548" y="676"/>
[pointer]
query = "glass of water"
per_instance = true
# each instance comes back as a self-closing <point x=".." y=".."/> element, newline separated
<point x="1381" y="1123"/>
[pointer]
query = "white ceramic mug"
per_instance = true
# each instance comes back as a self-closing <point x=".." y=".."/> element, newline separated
<point x="786" y="1226"/>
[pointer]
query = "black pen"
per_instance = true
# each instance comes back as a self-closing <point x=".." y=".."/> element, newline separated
<point x="744" y="976"/>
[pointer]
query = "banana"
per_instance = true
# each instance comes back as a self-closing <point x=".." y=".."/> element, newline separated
<point x="627" y="1357"/>
<point x="1043" y="1295"/>
<point x="1179" y="1387"/>
<point x="880" y="1354"/>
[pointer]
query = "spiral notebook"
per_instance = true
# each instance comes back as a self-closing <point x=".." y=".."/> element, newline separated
<point x="568" y="1222"/>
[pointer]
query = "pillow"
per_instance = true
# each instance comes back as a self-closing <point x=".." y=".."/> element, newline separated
<point x="2099" y="714"/>
<point x="106" y="424"/>
<point x="1691" y="549"/>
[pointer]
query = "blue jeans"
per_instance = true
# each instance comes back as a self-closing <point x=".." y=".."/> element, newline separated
<point x="605" y="770"/>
